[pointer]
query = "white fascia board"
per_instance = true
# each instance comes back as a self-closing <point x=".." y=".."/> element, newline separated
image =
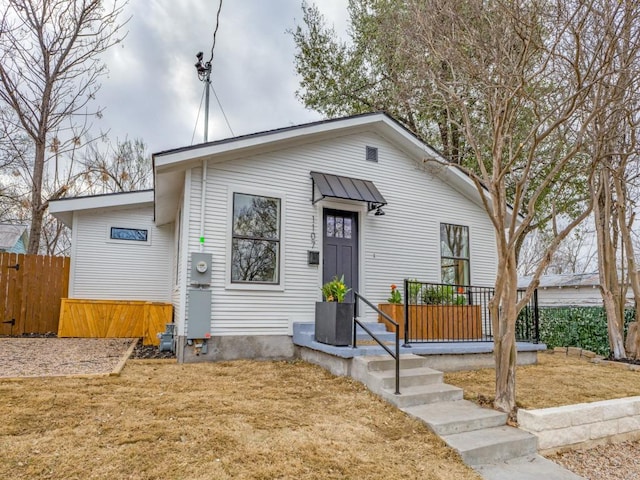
<point x="63" y="209"/>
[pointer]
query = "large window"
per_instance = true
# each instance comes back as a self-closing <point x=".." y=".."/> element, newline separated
<point x="255" y="243"/>
<point x="454" y="254"/>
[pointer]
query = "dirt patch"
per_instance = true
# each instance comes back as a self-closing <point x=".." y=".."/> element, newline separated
<point x="240" y="420"/>
<point x="555" y="381"/>
<point x="611" y="462"/>
<point x="50" y="356"/>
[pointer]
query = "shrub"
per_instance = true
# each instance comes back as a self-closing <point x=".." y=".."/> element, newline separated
<point x="583" y="327"/>
<point x="442" y="295"/>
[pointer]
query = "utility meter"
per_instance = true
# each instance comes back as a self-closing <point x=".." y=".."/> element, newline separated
<point x="202" y="266"/>
<point x="200" y="269"/>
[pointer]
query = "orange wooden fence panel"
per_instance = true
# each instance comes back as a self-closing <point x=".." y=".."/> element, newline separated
<point x="114" y="319"/>
<point x="31" y="287"/>
<point x="436" y="322"/>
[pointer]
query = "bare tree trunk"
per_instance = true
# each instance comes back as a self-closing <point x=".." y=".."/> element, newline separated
<point x="626" y="226"/>
<point x="505" y="352"/>
<point x="37" y="212"/>
<point x="607" y="263"/>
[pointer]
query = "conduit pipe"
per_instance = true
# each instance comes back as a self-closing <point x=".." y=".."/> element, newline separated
<point x="203" y="200"/>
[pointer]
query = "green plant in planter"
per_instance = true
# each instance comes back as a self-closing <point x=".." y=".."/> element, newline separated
<point x="335" y="290"/>
<point x="413" y="288"/>
<point x="443" y="295"/>
<point x="395" y="296"/>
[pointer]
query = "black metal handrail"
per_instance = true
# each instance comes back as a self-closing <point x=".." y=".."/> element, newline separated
<point x="459" y="313"/>
<point x="356" y="322"/>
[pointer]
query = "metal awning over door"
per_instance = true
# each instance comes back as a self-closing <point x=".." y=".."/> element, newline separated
<point x="347" y="188"/>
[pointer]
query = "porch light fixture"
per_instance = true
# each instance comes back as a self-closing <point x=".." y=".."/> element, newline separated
<point x="371" y="206"/>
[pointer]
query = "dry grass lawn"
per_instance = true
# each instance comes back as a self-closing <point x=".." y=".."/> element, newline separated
<point x="557" y="380"/>
<point x="244" y="420"/>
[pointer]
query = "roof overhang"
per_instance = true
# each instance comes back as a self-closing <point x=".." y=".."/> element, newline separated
<point x="64" y="208"/>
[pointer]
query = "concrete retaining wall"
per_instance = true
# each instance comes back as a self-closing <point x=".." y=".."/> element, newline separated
<point x="583" y="423"/>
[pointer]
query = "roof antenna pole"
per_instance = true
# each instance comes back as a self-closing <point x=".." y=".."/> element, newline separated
<point x="204" y="74"/>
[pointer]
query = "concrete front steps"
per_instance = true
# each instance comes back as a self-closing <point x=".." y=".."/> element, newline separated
<point x="479" y="435"/>
<point x="418" y="384"/>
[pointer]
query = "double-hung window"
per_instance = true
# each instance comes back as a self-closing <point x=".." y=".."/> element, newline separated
<point x="255" y="242"/>
<point x="454" y="254"/>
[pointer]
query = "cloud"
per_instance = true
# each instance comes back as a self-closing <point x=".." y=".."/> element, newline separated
<point x="152" y="91"/>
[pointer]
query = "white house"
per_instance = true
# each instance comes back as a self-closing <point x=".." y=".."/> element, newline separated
<point x="563" y="290"/>
<point x="240" y="234"/>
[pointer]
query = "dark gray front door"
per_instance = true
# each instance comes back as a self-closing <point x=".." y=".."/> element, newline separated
<point x="340" y="246"/>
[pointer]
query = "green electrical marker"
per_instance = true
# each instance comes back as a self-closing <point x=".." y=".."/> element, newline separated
<point x="201" y="239"/>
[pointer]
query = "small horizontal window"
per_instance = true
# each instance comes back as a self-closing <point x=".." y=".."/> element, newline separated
<point x="135" y="234"/>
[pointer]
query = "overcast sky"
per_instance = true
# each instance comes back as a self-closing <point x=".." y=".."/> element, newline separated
<point x="152" y="91"/>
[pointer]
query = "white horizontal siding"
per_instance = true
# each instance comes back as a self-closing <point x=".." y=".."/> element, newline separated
<point x="402" y="244"/>
<point x="107" y="269"/>
<point x="583" y="296"/>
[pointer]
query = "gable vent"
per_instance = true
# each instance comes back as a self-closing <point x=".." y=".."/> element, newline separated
<point x="372" y="154"/>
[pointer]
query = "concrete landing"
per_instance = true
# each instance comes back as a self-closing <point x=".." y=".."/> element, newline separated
<point x="490" y="445"/>
<point x="532" y="467"/>
<point x="448" y="418"/>
<point x="303" y="336"/>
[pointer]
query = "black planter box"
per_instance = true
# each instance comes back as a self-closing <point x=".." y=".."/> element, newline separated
<point x="334" y="323"/>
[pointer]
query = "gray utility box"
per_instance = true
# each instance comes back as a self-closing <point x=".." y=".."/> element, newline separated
<point x="199" y="313"/>
<point x="200" y="269"/>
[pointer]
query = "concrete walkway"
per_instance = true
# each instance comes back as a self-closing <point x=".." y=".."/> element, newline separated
<point x="481" y="437"/>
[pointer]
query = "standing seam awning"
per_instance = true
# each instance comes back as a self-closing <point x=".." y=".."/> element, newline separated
<point x="336" y="186"/>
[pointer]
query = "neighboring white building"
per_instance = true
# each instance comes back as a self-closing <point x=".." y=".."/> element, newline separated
<point x="267" y="218"/>
<point x="580" y="289"/>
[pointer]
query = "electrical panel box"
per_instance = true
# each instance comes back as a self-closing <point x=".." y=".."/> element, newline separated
<point x="199" y="313"/>
<point x="200" y="269"/>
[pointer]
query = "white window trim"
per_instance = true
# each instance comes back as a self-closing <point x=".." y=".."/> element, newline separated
<point x="128" y="242"/>
<point x="279" y="287"/>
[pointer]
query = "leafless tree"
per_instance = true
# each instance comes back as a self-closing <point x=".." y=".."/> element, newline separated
<point x="612" y="38"/>
<point x="523" y="75"/>
<point x="576" y="254"/>
<point x="49" y="73"/>
<point x="124" y="167"/>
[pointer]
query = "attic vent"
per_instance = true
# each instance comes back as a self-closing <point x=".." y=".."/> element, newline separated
<point x="372" y="154"/>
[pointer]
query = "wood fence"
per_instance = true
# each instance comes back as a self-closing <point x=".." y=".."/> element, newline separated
<point x="31" y="287"/>
<point x="114" y="318"/>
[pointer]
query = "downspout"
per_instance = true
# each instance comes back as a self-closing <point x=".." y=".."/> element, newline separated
<point x="203" y="200"/>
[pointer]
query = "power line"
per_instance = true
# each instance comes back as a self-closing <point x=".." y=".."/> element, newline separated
<point x="216" y="30"/>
